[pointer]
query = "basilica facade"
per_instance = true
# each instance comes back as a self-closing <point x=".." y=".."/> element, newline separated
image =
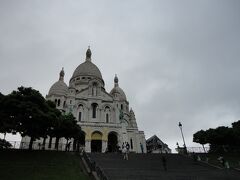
<point x="104" y="117"/>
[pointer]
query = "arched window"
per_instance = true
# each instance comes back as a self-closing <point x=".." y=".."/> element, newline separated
<point x="59" y="102"/>
<point x="56" y="102"/>
<point x="121" y="107"/>
<point x="79" y="116"/>
<point x="107" y="118"/>
<point x="94" y="110"/>
<point x="80" y="113"/>
<point x="131" y="143"/>
<point x="107" y="111"/>
<point x="94" y="89"/>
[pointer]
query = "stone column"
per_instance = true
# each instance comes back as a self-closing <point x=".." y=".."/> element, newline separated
<point x="104" y="146"/>
<point x="138" y="141"/>
<point x="100" y="115"/>
<point x="88" y="146"/>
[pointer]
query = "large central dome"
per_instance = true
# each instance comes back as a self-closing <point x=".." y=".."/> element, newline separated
<point x="87" y="68"/>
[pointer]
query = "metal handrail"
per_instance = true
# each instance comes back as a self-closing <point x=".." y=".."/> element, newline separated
<point x="95" y="167"/>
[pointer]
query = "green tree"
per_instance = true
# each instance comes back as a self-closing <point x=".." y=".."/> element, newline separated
<point x="27" y="112"/>
<point x="8" y="121"/>
<point x="4" y="144"/>
<point x="33" y="117"/>
<point x="53" y="115"/>
<point x="221" y="139"/>
<point x="201" y="138"/>
<point x="66" y="127"/>
<point x="236" y="131"/>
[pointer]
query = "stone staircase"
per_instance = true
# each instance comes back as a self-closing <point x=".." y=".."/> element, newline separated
<point x="150" y="167"/>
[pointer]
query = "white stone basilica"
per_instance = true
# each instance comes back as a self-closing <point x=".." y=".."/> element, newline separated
<point x="97" y="111"/>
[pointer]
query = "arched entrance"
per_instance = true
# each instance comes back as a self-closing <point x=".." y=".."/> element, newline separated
<point x="96" y="142"/>
<point x="112" y="142"/>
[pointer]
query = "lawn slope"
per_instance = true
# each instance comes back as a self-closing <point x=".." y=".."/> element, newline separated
<point x="40" y="165"/>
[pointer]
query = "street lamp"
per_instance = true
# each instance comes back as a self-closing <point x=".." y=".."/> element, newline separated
<point x="180" y="126"/>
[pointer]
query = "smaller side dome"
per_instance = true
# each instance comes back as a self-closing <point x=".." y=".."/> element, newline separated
<point x="59" y="87"/>
<point x="117" y="91"/>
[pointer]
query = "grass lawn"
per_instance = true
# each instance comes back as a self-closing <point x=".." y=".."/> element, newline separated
<point x="40" y="165"/>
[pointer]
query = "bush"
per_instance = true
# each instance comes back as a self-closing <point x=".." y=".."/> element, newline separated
<point x="4" y="144"/>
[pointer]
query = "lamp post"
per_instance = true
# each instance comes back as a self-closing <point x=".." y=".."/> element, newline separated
<point x="180" y="126"/>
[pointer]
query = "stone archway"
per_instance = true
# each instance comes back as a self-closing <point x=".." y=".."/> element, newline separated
<point x="96" y="142"/>
<point x="112" y="142"/>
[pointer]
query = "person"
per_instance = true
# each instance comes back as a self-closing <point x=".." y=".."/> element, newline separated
<point x="222" y="161"/>
<point x="141" y="146"/>
<point x="118" y="149"/>
<point x="124" y="151"/>
<point x="123" y="145"/>
<point x="127" y="146"/>
<point x="164" y="163"/>
<point x="227" y="165"/>
<point x="198" y="158"/>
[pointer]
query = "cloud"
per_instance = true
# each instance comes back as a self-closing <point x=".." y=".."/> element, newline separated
<point x="176" y="60"/>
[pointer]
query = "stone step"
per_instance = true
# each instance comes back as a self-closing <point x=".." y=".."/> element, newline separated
<point x="149" y="166"/>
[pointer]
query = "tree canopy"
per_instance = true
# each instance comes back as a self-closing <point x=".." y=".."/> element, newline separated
<point x="221" y="139"/>
<point x="27" y="112"/>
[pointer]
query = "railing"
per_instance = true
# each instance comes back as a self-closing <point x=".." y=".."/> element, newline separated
<point x="46" y="146"/>
<point x="214" y="149"/>
<point x="186" y="150"/>
<point x="90" y="163"/>
<point x="94" y="167"/>
<point x="101" y="173"/>
<point x="198" y="149"/>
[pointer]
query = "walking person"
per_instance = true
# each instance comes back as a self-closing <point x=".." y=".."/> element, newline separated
<point x="127" y="147"/>
<point x="222" y="161"/>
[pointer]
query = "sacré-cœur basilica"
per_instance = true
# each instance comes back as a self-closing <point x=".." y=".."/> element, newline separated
<point x="105" y="118"/>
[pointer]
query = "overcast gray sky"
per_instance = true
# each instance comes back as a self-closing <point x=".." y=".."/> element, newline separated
<point x="176" y="60"/>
